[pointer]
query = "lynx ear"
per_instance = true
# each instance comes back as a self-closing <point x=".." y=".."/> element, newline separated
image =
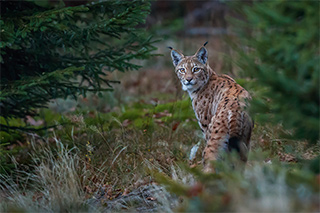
<point x="176" y="57"/>
<point x="202" y="55"/>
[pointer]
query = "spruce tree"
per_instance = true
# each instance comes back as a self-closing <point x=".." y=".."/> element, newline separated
<point x="279" y="50"/>
<point x="51" y="51"/>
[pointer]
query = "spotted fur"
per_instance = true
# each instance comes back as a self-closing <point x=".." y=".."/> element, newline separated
<point x="219" y="104"/>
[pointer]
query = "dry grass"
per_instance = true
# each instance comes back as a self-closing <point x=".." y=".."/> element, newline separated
<point x="55" y="185"/>
<point x="73" y="180"/>
<point x="115" y="170"/>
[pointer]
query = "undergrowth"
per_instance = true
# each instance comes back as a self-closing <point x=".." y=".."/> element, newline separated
<point x="98" y="158"/>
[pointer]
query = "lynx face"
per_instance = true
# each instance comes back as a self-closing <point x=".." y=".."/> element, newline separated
<point x="192" y="71"/>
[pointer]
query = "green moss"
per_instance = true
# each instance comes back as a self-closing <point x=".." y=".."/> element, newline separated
<point x="132" y="114"/>
<point x="7" y="137"/>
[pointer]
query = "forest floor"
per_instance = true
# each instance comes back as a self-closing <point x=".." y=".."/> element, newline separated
<point x="129" y="150"/>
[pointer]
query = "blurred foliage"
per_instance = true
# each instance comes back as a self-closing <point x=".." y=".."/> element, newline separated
<point x="272" y="187"/>
<point x="51" y="51"/>
<point x="279" y="50"/>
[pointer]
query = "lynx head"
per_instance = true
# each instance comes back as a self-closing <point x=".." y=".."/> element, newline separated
<point x="192" y="71"/>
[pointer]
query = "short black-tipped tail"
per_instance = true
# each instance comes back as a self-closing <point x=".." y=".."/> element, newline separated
<point x="234" y="144"/>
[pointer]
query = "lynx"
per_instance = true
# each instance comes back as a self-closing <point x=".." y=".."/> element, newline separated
<point x="219" y="104"/>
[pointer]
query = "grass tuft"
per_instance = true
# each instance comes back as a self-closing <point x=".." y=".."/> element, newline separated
<point x="55" y="185"/>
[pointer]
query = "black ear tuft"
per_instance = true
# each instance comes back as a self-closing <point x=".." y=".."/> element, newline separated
<point x="205" y="43"/>
<point x="202" y="55"/>
<point x="176" y="57"/>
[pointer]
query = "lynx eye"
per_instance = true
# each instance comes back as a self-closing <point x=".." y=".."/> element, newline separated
<point x="196" y="69"/>
<point x="181" y="70"/>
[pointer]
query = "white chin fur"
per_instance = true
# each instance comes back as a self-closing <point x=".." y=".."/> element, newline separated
<point x="188" y="87"/>
<point x="184" y="87"/>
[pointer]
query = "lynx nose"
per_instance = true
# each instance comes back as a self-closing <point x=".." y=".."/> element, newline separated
<point x="189" y="78"/>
